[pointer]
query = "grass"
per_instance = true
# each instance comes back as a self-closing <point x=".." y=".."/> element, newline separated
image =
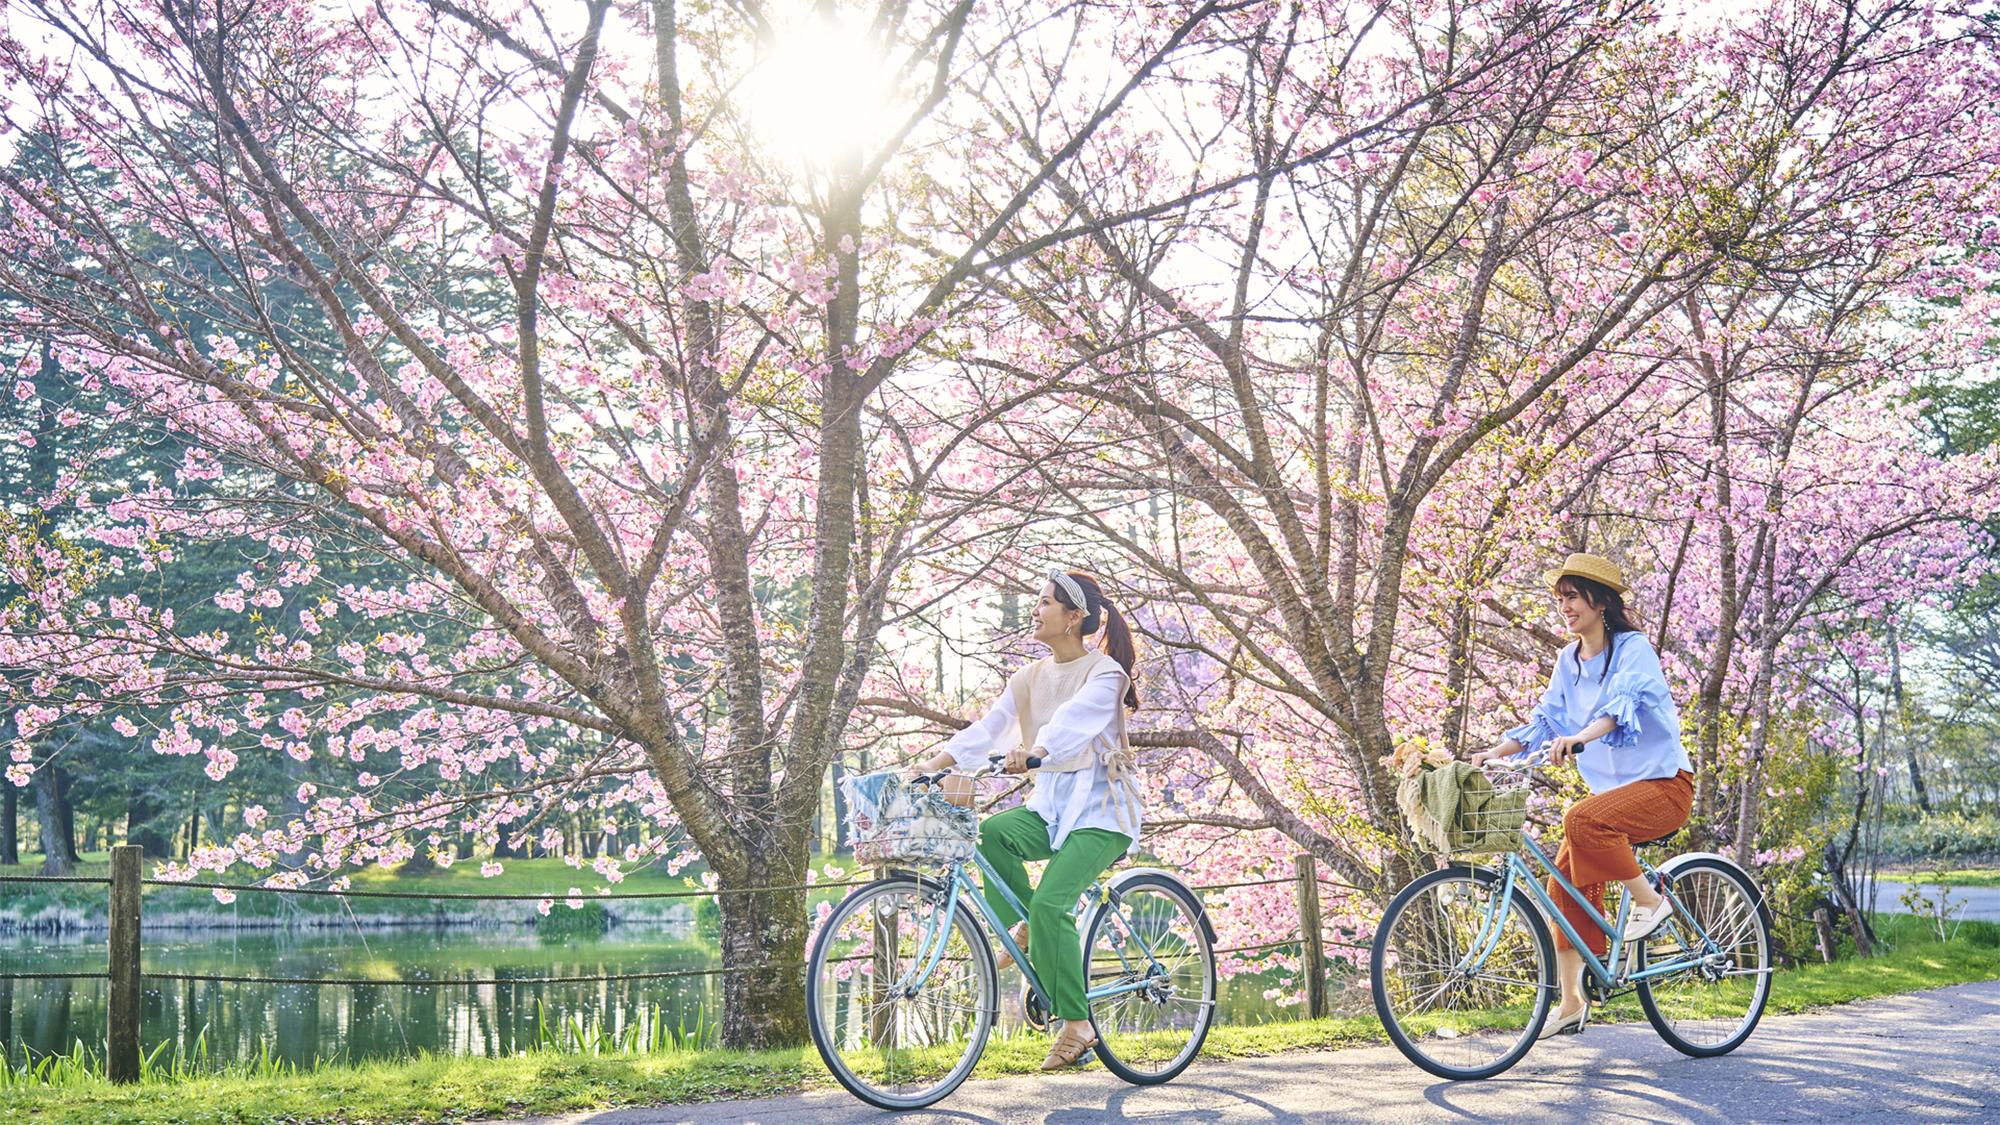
<point x="1966" y="877"/>
<point x="552" y="877"/>
<point x="579" y="1072"/>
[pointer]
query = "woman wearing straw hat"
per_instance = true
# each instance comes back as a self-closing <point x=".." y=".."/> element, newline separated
<point x="1607" y="706"/>
<point x="1067" y="709"/>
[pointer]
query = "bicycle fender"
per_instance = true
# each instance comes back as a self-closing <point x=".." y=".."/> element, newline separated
<point x="1118" y="880"/>
<point x="1675" y="863"/>
<point x="1672" y="867"/>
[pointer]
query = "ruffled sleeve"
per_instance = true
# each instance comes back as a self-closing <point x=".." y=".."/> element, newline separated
<point x="1083" y="717"/>
<point x="998" y="730"/>
<point x="1637" y="686"/>
<point x="1537" y="730"/>
<point x="1541" y="724"/>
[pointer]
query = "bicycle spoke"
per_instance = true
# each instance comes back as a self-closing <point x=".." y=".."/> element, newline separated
<point x="1153" y="941"/>
<point x="1717" y="990"/>
<point x="896" y="1027"/>
<point x="1459" y="975"/>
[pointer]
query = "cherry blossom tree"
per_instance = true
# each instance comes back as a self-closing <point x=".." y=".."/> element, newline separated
<point x="1393" y="372"/>
<point x="581" y="432"/>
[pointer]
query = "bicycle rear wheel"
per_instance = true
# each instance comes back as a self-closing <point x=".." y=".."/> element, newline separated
<point x="1462" y="979"/>
<point x="1155" y="938"/>
<point x="1712" y="1004"/>
<point x="894" y="1040"/>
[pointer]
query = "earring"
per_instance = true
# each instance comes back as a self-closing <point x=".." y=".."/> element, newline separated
<point x="1068" y="629"/>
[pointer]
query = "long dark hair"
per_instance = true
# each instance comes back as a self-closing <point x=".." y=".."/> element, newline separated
<point x="1617" y="619"/>
<point x="1117" y="643"/>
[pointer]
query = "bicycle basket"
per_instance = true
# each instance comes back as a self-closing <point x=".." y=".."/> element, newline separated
<point x="1457" y="810"/>
<point x="893" y="819"/>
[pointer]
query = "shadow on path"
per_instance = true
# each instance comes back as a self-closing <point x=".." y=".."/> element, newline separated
<point x="1927" y="1057"/>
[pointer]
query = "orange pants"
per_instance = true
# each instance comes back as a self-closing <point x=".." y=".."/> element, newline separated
<point x="1598" y="832"/>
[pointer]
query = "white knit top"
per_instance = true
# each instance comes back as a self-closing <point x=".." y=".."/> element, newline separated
<point x="1076" y="712"/>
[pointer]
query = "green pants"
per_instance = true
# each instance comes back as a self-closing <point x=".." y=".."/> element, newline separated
<point x="1012" y="839"/>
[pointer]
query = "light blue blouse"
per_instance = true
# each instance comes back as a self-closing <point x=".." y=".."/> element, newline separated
<point x="1647" y="740"/>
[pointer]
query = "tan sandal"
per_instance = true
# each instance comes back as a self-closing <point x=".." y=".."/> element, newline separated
<point x="1070" y="1046"/>
<point x="1020" y="932"/>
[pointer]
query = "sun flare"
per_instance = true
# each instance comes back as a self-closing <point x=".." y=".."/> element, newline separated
<point x="819" y="93"/>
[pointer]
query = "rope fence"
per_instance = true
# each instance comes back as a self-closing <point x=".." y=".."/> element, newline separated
<point x="126" y="977"/>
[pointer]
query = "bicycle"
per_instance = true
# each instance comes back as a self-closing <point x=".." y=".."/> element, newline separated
<point x="1466" y="950"/>
<point x="901" y="985"/>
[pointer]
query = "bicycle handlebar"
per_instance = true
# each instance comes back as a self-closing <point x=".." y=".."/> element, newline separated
<point x="1539" y="756"/>
<point x="993" y="769"/>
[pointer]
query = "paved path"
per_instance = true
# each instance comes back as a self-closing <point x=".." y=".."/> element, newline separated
<point x="1980" y="902"/>
<point x="1907" y="1060"/>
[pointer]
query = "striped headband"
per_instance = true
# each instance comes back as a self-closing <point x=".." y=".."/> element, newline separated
<point x="1070" y="586"/>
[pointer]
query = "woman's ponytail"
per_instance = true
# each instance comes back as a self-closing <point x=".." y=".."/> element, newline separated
<point x="1118" y="646"/>
<point x="1117" y="642"/>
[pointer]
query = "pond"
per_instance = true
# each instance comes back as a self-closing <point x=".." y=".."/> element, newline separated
<point x="497" y="1012"/>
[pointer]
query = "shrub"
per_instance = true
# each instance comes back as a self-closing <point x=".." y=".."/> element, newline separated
<point x="1942" y="835"/>
<point x="588" y="920"/>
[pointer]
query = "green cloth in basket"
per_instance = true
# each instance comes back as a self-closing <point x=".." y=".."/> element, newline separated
<point x="1455" y="809"/>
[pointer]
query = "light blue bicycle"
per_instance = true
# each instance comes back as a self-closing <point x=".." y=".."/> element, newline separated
<point x="901" y="986"/>
<point x="1465" y="967"/>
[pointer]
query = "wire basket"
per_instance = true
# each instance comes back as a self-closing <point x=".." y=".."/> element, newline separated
<point x="1459" y="810"/>
<point x="894" y="819"/>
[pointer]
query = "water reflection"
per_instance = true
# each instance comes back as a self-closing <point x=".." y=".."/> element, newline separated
<point x="496" y="1008"/>
<point x="492" y="1007"/>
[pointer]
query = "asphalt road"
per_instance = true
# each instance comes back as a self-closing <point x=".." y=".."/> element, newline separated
<point x="1979" y="902"/>
<point x="1907" y="1060"/>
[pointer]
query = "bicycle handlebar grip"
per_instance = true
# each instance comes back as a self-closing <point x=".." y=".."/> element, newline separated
<point x="1034" y="763"/>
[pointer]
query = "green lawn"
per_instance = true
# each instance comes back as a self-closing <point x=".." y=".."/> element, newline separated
<point x="444" y="1090"/>
<point x="1967" y="877"/>
<point x="518" y="877"/>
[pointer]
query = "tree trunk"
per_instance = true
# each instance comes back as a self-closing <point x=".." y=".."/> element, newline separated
<point x="1903" y="721"/>
<point x="66" y="813"/>
<point x="141" y="813"/>
<point x="48" y="816"/>
<point x="297" y="773"/>
<point x="1458" y="665"/>
<point x="764" y="937"/>
<point x="10" y="827"/>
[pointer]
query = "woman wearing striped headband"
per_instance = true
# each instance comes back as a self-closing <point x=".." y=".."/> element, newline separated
<point x="1067" y="709"/>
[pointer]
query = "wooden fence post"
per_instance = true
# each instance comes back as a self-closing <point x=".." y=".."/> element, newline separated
<point x="1827" y="942"/>
<point x="1314" y="966"/>
<point x="122" y="1041"/>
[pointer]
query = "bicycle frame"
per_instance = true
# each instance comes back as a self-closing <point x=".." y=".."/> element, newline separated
<point x="1518" y="874"/>
<point x="961" y="886"/>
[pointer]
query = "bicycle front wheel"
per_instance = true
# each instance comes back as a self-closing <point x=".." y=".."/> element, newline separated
<point x="899" y="1021"/>
<point x="1720" y="937"/>
<point x="1152" y="945"/>
<point x="1462" y="979"/>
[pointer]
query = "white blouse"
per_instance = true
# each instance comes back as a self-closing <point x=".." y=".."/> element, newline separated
<point x="1068" y="801"/>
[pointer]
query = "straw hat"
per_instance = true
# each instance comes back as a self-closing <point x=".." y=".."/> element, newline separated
<point x="1594" y="567"/>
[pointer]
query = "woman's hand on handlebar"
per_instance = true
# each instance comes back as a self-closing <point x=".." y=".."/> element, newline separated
<point x="1507" y="749"/>
<point x="1017" y="761"/>
<point x="1563" y="747"/>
